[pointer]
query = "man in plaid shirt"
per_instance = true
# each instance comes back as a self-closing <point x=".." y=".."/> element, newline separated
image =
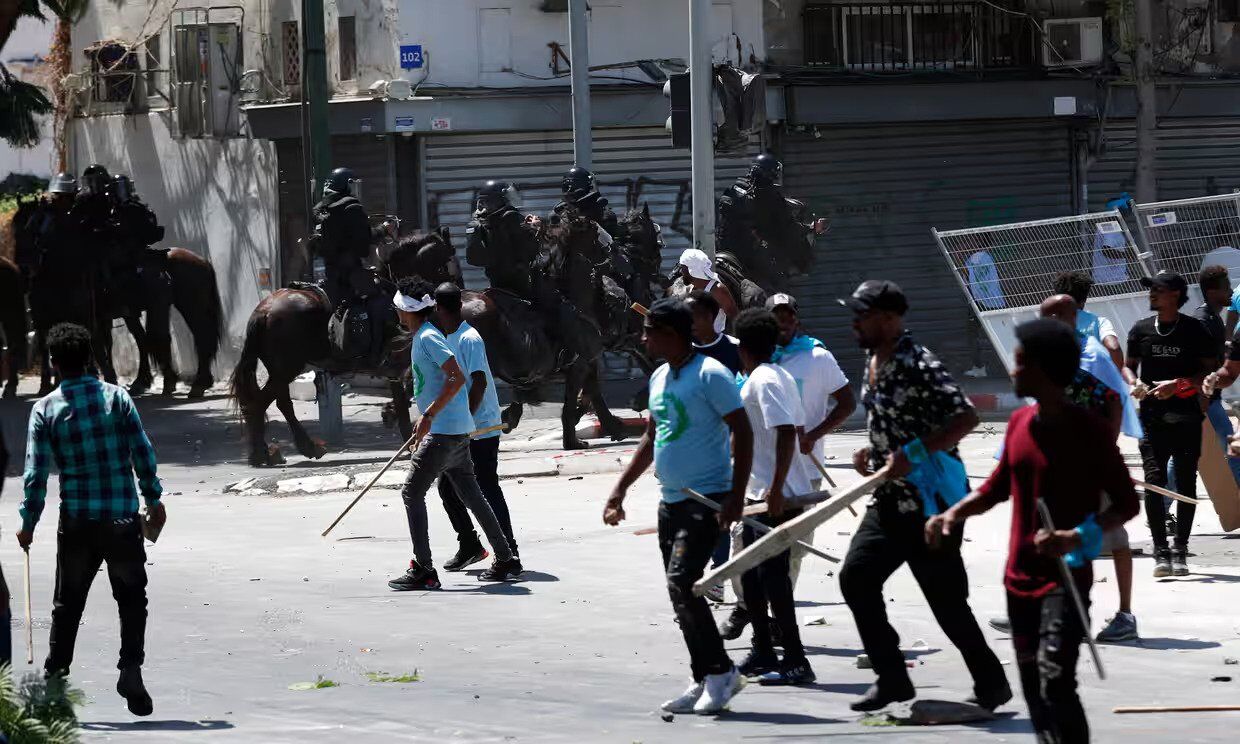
<point x="91" y="431"/>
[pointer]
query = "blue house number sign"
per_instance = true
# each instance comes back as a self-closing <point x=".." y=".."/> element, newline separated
<point x="411" y="57"/>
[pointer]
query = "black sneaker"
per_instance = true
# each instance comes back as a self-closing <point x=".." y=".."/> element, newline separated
<point x="467" y="555"/>
<point x="1179" y="562"/>
<point x="991" y="699"/>
<point x="791" y="673"/>
<point x="501" y="571"/>
<point x="1162" y="563"/>
<point x="758" y="662"/>
<point x="735" y="624"/>
<point x="130" y="687"/>
<point x="416" y="578"/>
<point x="777" y="635"/>
<point x="879" y="697"/>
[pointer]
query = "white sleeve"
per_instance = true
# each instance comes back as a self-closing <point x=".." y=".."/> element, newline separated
<point x="778" y="406"/>
<point x="833" y="377"/>
<point x="1106" y="329"/>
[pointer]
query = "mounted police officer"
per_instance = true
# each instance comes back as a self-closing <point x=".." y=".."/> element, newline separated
<point x="578" y="189"/>
<point x="134" y="228"/>
<point x="94" y="205"/>
<point x="53" y="224"/>
<point x="343" y="239"/>
<point x="761" y="230"/>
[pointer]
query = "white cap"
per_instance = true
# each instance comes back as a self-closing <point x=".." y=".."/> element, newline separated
<point x="698" y="264"/>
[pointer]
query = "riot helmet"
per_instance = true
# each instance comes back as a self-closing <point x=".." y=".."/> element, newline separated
<point x="95" y="180"/>
<point x="494" y="196"/>
<point x="577" y="181"/>
<point x="766" y="168"/>
<point x="339" y="183"/>
<point x="63" y="183"/>
<point x="122" y="188"/>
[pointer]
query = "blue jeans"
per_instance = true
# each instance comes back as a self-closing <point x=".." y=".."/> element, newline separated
<point x="1223" y="430"/>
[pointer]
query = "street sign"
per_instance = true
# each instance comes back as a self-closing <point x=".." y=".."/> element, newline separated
<point x="411" y="57"/>
<point x="404" y="122"/>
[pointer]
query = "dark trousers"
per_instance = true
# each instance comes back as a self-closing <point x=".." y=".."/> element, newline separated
<point x="485" y="454"/>
<point x="885" y="541"/>
<point x="1163" y="443"/>
<point x="1047" y="636"/>
<point x="6" y="618"/>
<point x="688" y="532"/>
<point x="82" y="546"/>
<point x="770" y="584"/>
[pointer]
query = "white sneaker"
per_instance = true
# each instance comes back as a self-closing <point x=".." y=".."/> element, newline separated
<point x="720" y="688"/>
<point x="686" y="701"/>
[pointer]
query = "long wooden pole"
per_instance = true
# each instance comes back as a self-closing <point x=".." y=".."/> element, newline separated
<point x="756" y="525"/>
<point x="1069" y="586"/>
<point x="1174" y="708"/>
<point x="785" y="535"/>
<point x="827" y="476"/>
<point x="1163" y="492"/>
<point x="29" y="613"/>
<point x="395" y="457"/>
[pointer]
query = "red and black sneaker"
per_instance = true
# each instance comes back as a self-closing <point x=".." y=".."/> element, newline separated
<point x="508" y="570"/>
<point x="416" y="578"/>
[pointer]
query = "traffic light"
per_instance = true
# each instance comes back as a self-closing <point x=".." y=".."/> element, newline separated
<point x="680" y="123"/>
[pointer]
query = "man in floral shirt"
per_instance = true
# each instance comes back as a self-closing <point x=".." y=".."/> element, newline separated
<point x="917" y="415"/>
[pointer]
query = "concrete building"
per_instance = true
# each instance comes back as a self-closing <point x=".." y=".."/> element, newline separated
<point x="891" y="117"/>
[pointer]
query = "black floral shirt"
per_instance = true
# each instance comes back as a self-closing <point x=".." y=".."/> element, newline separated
<point x="912" y="396"/>
<point x="1090" y="393"/>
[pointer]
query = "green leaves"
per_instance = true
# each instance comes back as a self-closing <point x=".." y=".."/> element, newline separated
<point x="68" y="10"/>
<point x="398" y="678"/>
<point x="20" y="103"/>
<point x="318" y="684"/>
<point x="37" y="710"/>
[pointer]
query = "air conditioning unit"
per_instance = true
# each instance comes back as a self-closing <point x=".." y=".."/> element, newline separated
<point x="1071" y="42"/>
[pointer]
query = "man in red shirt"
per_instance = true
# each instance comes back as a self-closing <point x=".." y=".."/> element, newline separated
<point x="1046" y="629"/>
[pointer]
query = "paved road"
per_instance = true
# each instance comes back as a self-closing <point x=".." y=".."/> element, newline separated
<point x="247" y="599"/>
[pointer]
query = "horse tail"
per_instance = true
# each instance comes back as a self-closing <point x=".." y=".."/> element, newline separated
<point x="196" y="296"/>
<point x="244" y="383"/>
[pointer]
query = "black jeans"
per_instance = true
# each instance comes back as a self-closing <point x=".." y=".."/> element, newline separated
<point x="1163" y="442"/>
<point x="1047" y="636"/>
<point x="82" y="546"/>
<point x="446" y="456"/>
<point x="485" y="454"/>
<point x="688" y="533"/>
<point x="886" y="540"/>
<point x="769" y="583"/>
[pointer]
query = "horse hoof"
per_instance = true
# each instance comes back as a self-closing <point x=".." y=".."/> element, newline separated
<point x="195" y="393"/>
<point x="274" y="455"/>
<point x="317" y="450"/>
<point x="139" y="387"/>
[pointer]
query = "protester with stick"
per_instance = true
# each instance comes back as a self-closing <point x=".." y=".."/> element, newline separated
<point x="917" y="415"/>
<point x="442" y="442"/>
<point x="1065" y="457"/>
<point x="773" y="407"/>
<point x="91" y="431"/>
<point x="471" y="354"/>
<point x="1171" y="352"/>
<point x="695" y="408"/>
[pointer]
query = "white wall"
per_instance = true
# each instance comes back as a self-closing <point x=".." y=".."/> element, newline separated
<point x="217" y="198"/>
<point x="450" y="33"/>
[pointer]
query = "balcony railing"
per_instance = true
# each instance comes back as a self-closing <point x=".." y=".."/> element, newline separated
<point x="918" y="36"/>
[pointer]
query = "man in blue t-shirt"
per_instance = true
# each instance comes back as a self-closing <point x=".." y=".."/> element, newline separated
<point x="695" y="414"/>
<point x="471" y="354"/>
<point x="441" y="442"/>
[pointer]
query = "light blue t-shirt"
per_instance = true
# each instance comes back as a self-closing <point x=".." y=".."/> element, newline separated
<point x="471" y="353"/>
<point x="430" y="352"/>
<point x="692" y="442"/>
<point x="1235" y="301"/>
<point x="1091" y="325"/>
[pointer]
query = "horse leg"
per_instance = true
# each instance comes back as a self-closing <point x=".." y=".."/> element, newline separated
<point x="593" y="388"/>
<point x="142" y="382"/>
<point x="102" y="341"/>
<point x="574" y="379"/>
<point x="45" y="364"/>
<point x="400" y="409"/>
<point x="308" y="447"/>
<point x="254" y="416"/>
<point x="511" y="415"/>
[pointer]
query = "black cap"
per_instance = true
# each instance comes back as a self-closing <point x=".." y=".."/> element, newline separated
<point x="1165" y="280"/>
<point x="782" y="299"/>
<point x="877" y="294"/>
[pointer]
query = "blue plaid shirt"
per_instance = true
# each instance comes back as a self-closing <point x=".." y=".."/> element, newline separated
<point x="91" y="431"/>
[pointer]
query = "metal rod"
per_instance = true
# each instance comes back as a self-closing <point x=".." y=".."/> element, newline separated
<point x="701" y="78"/>
<point x="1070" y="588"/>
<point x="755" y="524"/>
<point x="579" y="61"/>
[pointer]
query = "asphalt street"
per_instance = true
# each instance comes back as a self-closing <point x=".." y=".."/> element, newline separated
<point x="247" y="600"/>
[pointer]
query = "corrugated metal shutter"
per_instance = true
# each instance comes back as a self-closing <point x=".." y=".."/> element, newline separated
<point x="1196" y="157"/>
<point x="884" y="187"/>
<point x="457" y="164"/>
<point x="370" y="158"/>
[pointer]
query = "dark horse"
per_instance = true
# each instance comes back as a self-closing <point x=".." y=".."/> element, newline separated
<point x="12" y="324"/>
<point x="288" y="332"/>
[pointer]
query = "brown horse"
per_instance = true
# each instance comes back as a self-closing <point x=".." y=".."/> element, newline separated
<point x="12" y="324"/>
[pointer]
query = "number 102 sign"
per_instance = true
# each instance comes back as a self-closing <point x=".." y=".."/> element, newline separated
<point x="411" y="56"/>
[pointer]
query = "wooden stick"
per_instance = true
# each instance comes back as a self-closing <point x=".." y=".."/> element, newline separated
<point x="823" y="469"/>
<point x="782" y="537"/>
<point x="640" y="309"/>
<point x="29" y="621"/>
<point x="1163" y="492"/>
<point x="1069" y="585"/>
<point x="756" y="525"/>
<point x="1174" y="708"/>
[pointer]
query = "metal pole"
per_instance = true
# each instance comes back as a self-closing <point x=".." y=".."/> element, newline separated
<point x="579" y="60"/>
<point x="316" y="92"/>
<point x="701" y="75"/>
<point x="1147" y="112"/>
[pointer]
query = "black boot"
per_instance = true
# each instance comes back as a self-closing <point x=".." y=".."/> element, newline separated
<point x="879" y="696"/>
<point x="466" y="555"/>
<point x="130" y="687"/>
<point x="735" y="624"/>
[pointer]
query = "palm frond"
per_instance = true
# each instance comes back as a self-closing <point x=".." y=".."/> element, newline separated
<point x="68" y="10"/>
<point x="20" y="103"/>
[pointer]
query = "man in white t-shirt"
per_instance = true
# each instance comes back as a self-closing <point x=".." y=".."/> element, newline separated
<point x="773" y="407"/>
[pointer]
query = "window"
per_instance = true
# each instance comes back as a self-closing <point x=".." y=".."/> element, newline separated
<point x="154" y="61"/>
<point x="290" y="45"/>
<point x="348" y="48"/>
<point x="494" y="40"/>
<point x="115" y="69"/>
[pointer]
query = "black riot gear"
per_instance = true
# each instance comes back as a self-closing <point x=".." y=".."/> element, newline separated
<point x="340" y="182"/>
<point x="766" y="168"/>
<point x="494" y="196"/>
<point x="577" y="182"/>
<point x="95" y="180"/>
